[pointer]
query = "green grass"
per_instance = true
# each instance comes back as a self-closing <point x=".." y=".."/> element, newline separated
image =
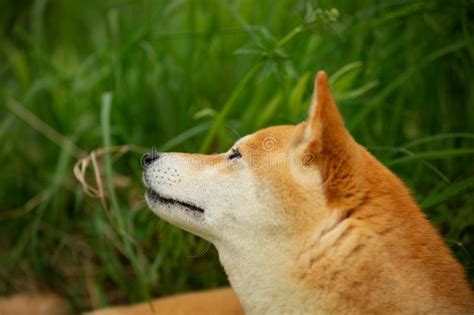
<point x="194" y="76"/>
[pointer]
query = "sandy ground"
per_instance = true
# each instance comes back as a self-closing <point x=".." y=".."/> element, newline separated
<point x="34" y="304"/>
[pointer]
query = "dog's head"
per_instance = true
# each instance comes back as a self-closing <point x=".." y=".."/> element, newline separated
<point x="272" y="183"/>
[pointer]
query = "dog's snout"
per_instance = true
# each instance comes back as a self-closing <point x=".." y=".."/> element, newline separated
<point x="149" y="158"/>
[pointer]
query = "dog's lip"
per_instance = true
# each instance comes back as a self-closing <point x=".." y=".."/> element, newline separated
<point x="155" y="196"/>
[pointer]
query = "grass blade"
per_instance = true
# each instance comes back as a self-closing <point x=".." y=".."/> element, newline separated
<point x="431" y="155"/>
<point x="449" y="193"/>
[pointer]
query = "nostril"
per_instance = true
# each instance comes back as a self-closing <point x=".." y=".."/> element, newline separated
<point x="149" y="158"/>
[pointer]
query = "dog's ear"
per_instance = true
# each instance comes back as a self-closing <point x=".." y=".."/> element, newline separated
<point x="325" y="126"/>
<point x="329" y="146"/>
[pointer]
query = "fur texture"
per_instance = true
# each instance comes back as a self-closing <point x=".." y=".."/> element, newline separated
<point x="306" y="221"/>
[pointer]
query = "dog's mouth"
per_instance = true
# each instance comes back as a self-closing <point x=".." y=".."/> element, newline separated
<point x="156" y="197"/>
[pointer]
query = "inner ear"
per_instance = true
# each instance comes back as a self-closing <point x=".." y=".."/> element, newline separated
<point x="300" y="134"/>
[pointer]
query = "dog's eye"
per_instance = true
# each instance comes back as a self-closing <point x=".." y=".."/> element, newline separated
<point x="234" y="154"/>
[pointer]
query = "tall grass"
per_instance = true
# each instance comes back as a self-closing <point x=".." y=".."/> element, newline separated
<point x="194" y="76"/>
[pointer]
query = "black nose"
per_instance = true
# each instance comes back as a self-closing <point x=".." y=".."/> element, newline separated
<point x="149" y="158"/>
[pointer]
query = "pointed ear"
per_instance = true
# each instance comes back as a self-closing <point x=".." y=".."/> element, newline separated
<point x="325" y="126"/>
<point x="332" y="149"/>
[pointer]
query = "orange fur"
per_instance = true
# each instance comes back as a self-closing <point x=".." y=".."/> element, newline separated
<point x="397" y="260"/>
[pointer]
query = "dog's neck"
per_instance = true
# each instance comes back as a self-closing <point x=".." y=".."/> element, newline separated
<point x="261" y="276"/>
<point x="261" y="281"/>
<point x="271" y="276"/>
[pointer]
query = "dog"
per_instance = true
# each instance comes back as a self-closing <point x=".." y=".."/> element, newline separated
<point x="307" y="221"/>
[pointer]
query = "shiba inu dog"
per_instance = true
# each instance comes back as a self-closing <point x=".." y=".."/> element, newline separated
<point x="307" y="221"/>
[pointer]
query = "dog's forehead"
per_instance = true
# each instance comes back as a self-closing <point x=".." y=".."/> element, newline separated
<point x="266" y="139"/>
<point x="243" y="140"/>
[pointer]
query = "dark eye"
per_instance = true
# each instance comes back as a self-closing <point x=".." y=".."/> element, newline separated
<point x="235" y="154"/>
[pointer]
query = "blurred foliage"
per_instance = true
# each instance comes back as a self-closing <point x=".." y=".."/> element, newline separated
<point x="194" y="76"/>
